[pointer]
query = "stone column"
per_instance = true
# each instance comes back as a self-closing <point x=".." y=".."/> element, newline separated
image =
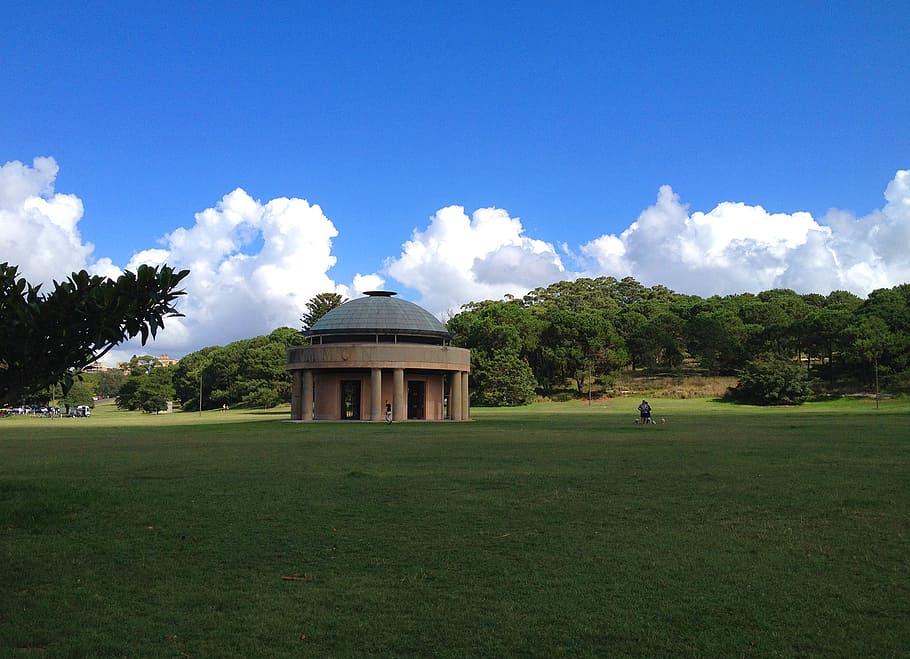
<point x="307" y="395"/>
<point x="376" y="411"/>
<point x="296" y="410"/>
<point x="455" y="395"/>
<point x="465" y="398"/>
<point x="399" y="410"/>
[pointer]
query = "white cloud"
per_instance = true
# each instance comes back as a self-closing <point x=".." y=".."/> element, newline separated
<point x="361" y="284"/>
<point x="38" y="227"/>
<point x="458" y="259"/>
<point x="737" y="248"/>
<point x="254" y="266"/>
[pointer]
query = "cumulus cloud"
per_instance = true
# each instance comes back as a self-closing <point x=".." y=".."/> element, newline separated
<point x="736" y="247"/>
<point x="457" y="259"/>
<point x="253" y="265"/>
<point x="38" y="226"/>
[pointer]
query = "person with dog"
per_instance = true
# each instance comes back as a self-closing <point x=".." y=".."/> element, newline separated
<point x="645" y="411"/>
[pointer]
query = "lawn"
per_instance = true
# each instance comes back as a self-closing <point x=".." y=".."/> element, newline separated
<point x="554" y="530"/>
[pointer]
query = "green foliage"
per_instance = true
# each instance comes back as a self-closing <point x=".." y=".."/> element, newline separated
<point x="137" y="390"/>
<point x="716" y="337"/>
<point x="319" y="306"/>
<point x="502" y="335"/>
<point x="263" y="397"/>
<point x="496" y="326"/>
<point x="154" y="404"/>
<point x="108" y="383"/>
<point x="503" y="380"/>
<point x="126" y="399"/>
<point x="79" y="394"/>
<point x="139" y="365"/>
<point x="231" y="374"/>
<point x="772" y="380"/>
<point x="571" y="331"/>
<point x="45" y="339"/>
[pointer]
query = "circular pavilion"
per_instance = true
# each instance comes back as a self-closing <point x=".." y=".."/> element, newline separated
<point x="378" y="351"/>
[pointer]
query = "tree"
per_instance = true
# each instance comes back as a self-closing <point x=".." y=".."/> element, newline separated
<point x="319" y="306"/>
<point x="771" y="380"/>
<point x="46" y="339"/>
<point x="576" y="345"/>
<point x="495" y="326"/>
<point x="109" y="382"/>
<point x="872" y="338"/>
<point x="716" y="338"/>
<point x="262" y="396"/>
<point x="191" y="379"/>
<point x="503" y="380"/>
<point x="228" y="374"/>
<point x="141" y="365"/>
<point x="126" y="397"/>
<point x="665" y="340"/>
<point x="78" y="394"/>
<point x="154" y="404"/>
<point x="138" y="389"/>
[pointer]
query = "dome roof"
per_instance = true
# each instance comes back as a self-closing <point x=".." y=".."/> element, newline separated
<point x="379" y="313"/>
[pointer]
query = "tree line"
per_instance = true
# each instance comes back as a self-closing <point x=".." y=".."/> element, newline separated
<point x="584" y="332"/>
<point x="574" y="335"/>
<point x="249" y="373"/>
<point x="782" y="346"/>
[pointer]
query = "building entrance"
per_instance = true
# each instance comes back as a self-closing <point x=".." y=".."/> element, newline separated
<point x="417" y="399"/>
<point x="350" y="400"/>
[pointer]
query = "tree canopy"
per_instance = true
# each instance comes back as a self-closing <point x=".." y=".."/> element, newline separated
<point x="573" y="332"/>
<point x="249" y="372"/>
<point x="48" y="338"/>
<point x="319" y="306"/>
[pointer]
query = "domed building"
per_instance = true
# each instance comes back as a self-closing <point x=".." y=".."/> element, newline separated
<point x="378" y="351"/>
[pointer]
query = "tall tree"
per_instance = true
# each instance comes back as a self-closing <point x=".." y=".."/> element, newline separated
<point x="501" y="335"/>
<point x="319" y="306"/>
<point x="45" y="339"/>
<point x="715" y="336"/>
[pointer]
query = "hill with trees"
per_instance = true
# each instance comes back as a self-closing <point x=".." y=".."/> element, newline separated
<point x="573" y="337"/>
<point x="783" y="346"/>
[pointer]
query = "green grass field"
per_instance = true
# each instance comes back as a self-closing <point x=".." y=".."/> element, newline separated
<point x="554" y="530"/>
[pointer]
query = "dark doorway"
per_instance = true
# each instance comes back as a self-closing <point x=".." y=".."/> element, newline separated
<point x="417" y="396"/>
<point x="350" y="400"/>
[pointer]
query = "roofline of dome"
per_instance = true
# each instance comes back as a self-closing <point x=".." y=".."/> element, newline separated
<point x="378" y="330"/>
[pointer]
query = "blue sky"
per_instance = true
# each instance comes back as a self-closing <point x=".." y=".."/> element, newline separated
<point x="613" y="139"/>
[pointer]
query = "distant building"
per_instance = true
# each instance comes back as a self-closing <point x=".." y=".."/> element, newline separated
<point x="164" y="360"/>
<point x="95" y="367"/>
<point x="376" y="351"/>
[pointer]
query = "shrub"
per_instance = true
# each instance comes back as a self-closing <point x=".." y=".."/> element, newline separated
<point x="263" y="397"/>
<point x="154" y="404"/>
<point x="503" y="381"/>
<point x="771" y="380"/>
